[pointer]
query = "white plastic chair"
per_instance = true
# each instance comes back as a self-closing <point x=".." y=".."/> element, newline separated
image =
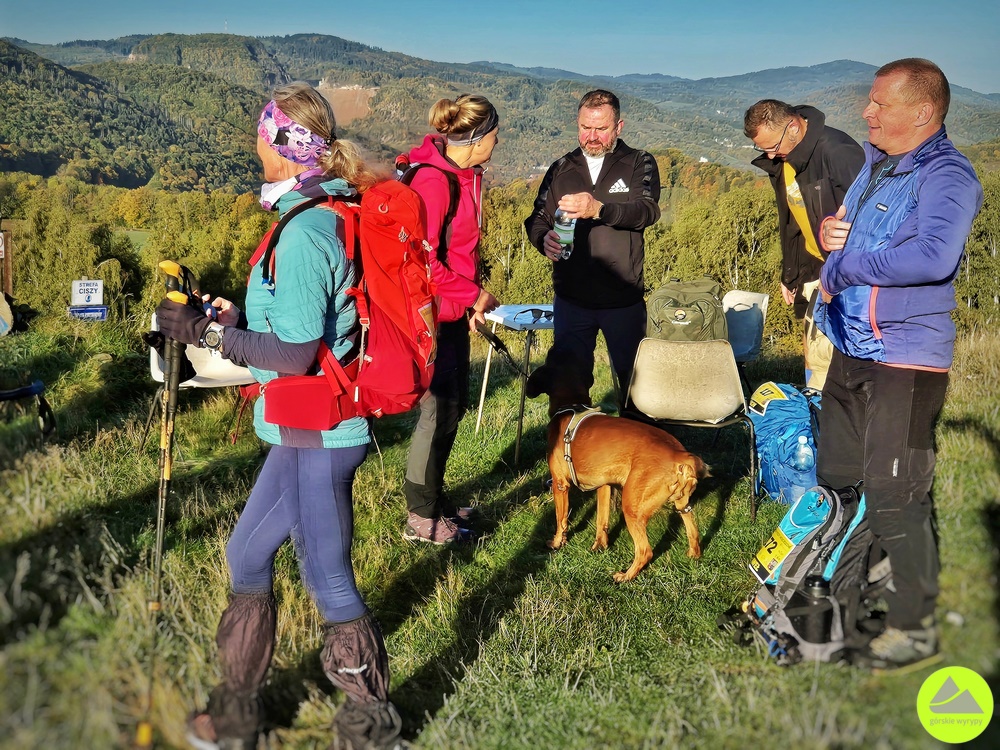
<point x="213" y="370"/>
<point x="693" y="384"/>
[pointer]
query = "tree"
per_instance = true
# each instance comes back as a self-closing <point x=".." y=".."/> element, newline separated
<point x="11" y="199"/>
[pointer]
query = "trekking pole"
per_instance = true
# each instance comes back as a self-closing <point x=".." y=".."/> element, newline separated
<point x="501" y="348"/>
<point x="172" y="353"/>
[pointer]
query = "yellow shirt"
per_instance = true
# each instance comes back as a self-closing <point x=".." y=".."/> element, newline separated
<point x="798" y="208"/>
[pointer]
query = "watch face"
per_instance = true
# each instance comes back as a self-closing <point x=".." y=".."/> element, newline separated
<point x="213" y="339"/>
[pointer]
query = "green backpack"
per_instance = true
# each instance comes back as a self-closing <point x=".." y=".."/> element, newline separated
<point x="686" y="311"/>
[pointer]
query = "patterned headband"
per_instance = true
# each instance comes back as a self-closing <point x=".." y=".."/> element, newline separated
<point x="293" y="141"/>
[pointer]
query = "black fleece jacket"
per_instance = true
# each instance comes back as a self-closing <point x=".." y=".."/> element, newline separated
<point x="605" y="269"/>
<point x="826" y="163"/>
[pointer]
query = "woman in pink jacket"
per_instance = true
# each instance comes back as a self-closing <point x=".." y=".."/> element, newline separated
<point x="451" y="188"/>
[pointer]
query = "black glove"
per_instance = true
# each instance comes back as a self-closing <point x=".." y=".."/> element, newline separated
<point x="157" y="341"/>
<point x="181" y="322"/>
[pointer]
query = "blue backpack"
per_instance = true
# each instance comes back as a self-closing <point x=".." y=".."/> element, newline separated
<point x="780" y="414"/>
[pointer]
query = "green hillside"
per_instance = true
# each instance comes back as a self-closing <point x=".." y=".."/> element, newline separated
<point x="239" y="60"/>
<point x="193" y="97"/>
<point x="127" y="130"/>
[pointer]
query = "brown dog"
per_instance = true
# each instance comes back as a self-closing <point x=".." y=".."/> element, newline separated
<point x="650" y="465"/>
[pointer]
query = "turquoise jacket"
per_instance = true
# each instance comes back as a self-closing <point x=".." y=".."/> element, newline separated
<point x="893" y="282"/>
<point x="308" y="301"/>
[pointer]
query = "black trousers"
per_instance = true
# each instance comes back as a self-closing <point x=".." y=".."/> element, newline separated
<point x="877" y="425"/>
<point x="576" y="329"/>
<point x="441" y="409"/>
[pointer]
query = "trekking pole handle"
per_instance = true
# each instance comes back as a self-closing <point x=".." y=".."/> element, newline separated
<point x="176" y="275"/>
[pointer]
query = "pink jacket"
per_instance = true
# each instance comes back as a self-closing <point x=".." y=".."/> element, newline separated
<point x="457" y="283"/>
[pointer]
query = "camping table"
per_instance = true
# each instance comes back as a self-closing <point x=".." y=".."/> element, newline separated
<point x="515" y="318"/>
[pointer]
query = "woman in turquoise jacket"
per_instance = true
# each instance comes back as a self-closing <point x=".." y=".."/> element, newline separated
<point x="304" y="491"/>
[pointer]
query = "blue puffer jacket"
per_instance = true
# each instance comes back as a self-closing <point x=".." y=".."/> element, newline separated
<point x="893" y="280"/>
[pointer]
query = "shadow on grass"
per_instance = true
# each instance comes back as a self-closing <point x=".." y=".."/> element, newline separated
<point x="990" y="738"/>
<point x="82" y="555"/>
<point x="423" y="693"/>
<point x="403" y="594"/>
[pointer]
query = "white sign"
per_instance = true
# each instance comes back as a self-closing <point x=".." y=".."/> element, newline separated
<point x="87" y="292"/>
<point x="3" y="243"/>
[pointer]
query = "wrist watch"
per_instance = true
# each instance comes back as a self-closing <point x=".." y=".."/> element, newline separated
<point x="212" y="338"/>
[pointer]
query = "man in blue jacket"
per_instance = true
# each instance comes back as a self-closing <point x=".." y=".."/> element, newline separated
<point x="888" y="291"/>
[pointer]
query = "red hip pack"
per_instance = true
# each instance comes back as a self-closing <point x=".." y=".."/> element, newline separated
<point x="309" y="402"/>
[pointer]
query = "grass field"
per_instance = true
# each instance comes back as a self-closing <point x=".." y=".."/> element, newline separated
<point x="499" y="645"/>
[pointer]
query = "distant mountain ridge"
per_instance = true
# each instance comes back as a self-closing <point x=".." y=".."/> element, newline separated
<point x="199" y="92"/>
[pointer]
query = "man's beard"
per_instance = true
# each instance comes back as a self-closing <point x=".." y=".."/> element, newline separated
<point x="600" y="149"/>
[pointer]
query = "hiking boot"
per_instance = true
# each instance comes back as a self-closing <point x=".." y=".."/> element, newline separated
<point x="201" y="735"/>
<point x="368" y="726"/>
<point x="460" y="514"/>
<point x="435" y="530"/>
<point x="900" y="651"/>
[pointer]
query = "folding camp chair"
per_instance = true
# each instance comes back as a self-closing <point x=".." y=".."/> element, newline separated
<point x="46" y="419"/>
<point x="693" y="384"/>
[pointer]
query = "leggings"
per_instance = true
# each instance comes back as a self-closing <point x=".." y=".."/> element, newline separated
<point x="305" y="494"/>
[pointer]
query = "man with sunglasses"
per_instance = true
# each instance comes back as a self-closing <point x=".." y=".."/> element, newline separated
<point x="810" y="165"/>
<point x="612" y="190"/>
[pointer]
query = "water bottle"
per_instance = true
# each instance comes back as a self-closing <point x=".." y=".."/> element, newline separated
<point x="820" y="617"/>
<point x="565" y="227"/>
<point x="803" y="459"/>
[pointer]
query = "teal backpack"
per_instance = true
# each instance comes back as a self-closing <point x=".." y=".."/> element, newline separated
<point x="819" y="578"/>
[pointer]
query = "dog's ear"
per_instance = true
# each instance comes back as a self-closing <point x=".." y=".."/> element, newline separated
<point x="556" y="356"/>
<point x="572" y="365"/>
<point x="539" y="382"/>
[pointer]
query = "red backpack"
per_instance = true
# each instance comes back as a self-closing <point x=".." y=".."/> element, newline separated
<point x="397" y="315"/>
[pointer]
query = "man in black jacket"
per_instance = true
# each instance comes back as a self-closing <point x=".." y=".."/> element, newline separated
<point x="810" y="166"/>
<point x="612" y="192"/>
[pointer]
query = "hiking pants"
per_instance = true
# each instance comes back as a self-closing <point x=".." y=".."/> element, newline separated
<point x="441" y="409"/>
<point x="623" y="328"/>
<point x="877" y="424"/>
<point x="305" y="494"/>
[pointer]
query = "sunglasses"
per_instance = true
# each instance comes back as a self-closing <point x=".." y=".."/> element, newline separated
<point x="536" y="314"/>
<point x="776" y="145"/>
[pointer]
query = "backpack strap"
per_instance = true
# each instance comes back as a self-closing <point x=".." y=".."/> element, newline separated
<point x="267" y="255"/>
<point x="453" y="199"/>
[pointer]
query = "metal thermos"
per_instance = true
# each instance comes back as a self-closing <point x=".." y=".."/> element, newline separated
<point x="820" y="616"/>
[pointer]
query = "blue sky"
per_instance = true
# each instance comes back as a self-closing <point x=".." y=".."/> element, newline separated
<point x="692" y="39"/>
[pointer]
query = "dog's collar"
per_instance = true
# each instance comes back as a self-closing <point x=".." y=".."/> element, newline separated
<point x="580" y="413"/>
<point x="575" y="408"/>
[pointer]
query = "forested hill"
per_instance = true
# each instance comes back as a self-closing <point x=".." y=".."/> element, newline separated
<point x="176" y="110"/>
<point x="157" y="125"/>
